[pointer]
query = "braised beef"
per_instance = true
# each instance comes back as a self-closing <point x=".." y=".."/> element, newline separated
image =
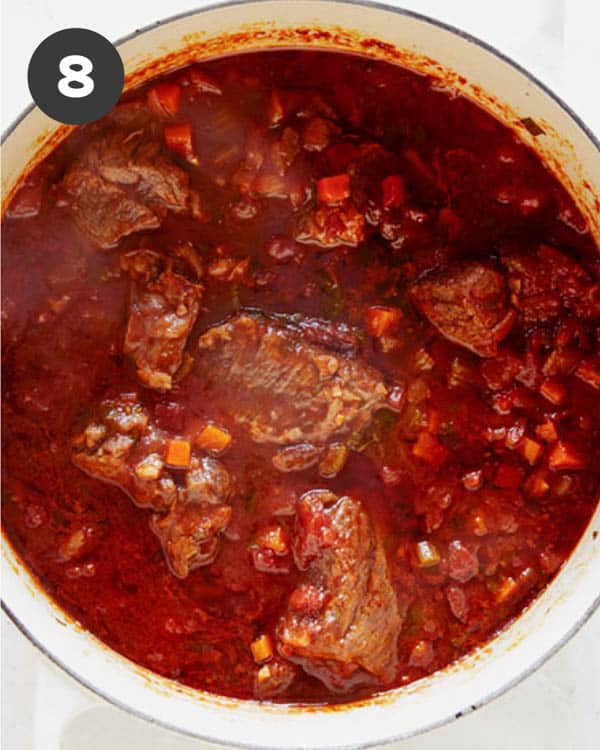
<point x="121" y="184"/>
<point x="468" y="304"/>
<point x="546" y="281"/>
<point x="286" y="390"/>
<point x="123" y="446"/>
<point x="162" y="311"/>
<point x="342" y="621"/>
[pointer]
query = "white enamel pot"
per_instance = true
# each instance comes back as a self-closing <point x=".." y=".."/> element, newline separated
<point x="569" y="149"/>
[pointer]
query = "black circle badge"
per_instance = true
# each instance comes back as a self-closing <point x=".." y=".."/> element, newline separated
<point x="75" y="76"/>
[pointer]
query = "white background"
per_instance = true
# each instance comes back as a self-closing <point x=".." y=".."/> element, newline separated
<point x="558" y="708"/>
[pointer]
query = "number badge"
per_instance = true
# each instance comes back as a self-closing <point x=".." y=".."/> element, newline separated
<point x="75" y="76"/>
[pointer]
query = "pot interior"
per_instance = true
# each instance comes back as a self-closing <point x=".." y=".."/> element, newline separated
<point x="568" y="150"/>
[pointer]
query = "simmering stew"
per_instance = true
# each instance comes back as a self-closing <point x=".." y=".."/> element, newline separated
<point x="301" y="375"/>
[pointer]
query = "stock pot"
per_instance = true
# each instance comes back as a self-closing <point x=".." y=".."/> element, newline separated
<point x="567" y="147"/>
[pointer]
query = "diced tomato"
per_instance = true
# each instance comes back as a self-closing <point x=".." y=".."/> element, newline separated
<point x="430" y="449"/>
<point x="178" y="138"/>
<point x="462" y="563"/>
<point x="565" y="457"/>
<point x="393" y="191"/>
<point x="333" y="189"/>
<point x="382" y="321"/>
<point x="457" y="601"/>
<point x="508" y="477"/>
<point x="554" y="391"/>
<point x="164" y="99"/>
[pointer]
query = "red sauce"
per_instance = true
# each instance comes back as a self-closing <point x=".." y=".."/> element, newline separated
<point x="479" y="481"/>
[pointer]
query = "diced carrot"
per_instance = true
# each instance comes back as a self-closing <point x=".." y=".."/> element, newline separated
<point x="382" y="321"/>
<point x="164" y="98"/>
<point x="537" y="486"/>
<point x="547" y="432"/>
<point x="178" y="453"/>
<point x="531" y="450"/>
<point x="214" y="439"/>
<point x="554" y="391"/>
<point x="333" y="189"/>
<point x="589" y="373"/>
<point x="429" y="449"/>
<point x="178" y="138"/>
<point x="508" y="477"/>
<point x="506" y="590"/>
<point x="275" y="539"/>
<point x="427" y="554"/>
<point x="262" y="649"/>
<point x="393" y="191"/>
<point x="564" y="457"/>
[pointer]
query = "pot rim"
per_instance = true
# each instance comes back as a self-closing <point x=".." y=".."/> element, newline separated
<point x="489" y="696"/>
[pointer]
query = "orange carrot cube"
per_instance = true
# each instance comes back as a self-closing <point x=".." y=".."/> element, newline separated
<point x="178" y="453"/>
<point x="565" y="457"/>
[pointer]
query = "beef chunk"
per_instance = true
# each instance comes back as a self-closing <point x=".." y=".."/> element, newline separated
<point x="190" y="532"/>
<point x="342" y="622"/>
<point x="546" y="280"/>
<point x="287" y="390"/>
<point x="103" y="211"/>
<point x="124" y="447"/>
<point x="123" y="184"/>
<point x="467" y="304"/>
<point x="274" y="678"/>
<point x="163" y="309"/>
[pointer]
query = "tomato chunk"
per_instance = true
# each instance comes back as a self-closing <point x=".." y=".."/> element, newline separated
<point x="381" y="321"/>
<point x="164" y="99"/>
<point x="178" y="138"/>
<point x="333" y="190"/>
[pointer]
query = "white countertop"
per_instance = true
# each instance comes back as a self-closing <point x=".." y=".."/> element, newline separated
<point x="557" y="708"/>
